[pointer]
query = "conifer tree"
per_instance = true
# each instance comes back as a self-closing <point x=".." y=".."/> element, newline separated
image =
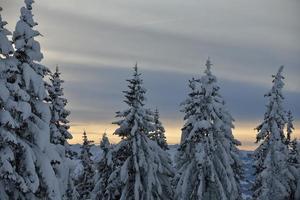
<point x="85" y="182"/>
<point x="104" y="169"/>
<point x="274" y="177"/>
<point x="143" y="169"/>
<point x="158" y="135"/>
<point x="34" y="161"/>
<point x="59" y="133"/>
<point x="104" y="143"/>
<point x="289" y="126"/>
<point x="6" y="48"/>
<point x="59" y="122"/>
<point x="294" y="160"/>
<point x="294" y="155"/>
<point x="11" y="181"/>
<point x="207" y="163"/>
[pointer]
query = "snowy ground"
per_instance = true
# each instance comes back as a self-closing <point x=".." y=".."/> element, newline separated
<point x="245" y="156"/>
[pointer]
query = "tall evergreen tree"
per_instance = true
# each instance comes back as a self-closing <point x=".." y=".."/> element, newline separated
<point x="85" y="182"/>
<point x="104" y="169"/>
<point x="158" y="135"/>
<point x="144" y="169"/>
<point x="12" y="183"/>
<point x="274" y="177"/>
<point x="59" y="122"/>
<point x="207" y="162"/>
<point x="33" y="163"/>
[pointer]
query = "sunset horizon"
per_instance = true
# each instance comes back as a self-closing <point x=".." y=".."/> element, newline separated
<point x="169" y="51"/>
<point x="149" y="100"/>
<point x="95" y="133"/>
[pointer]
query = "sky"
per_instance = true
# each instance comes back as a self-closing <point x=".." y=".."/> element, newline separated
<point x="97" y="42"/>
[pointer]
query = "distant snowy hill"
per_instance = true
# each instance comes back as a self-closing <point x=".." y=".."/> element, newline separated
<point x="245" y="156"/>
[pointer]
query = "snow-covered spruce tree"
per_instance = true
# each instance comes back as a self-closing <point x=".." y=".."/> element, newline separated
<point x="294" y="160"/>
<point x="289" y="127"/>
<point x="158" y="135"/>
<point x="207" y="162"/>
<point x="104" y="143"/>
<point x="11" y="181"/>
<point x="274" y="174"/>
<point x="144" y="169"/>
<point x="6" y="48"/>
<point x="59" y="133"/>
<point x="104" y="169"/>
<point x="294" y="154"/>
<point x="85" y="182"/>
<point x="34" y="158"/>
<point x="59" y="122"/>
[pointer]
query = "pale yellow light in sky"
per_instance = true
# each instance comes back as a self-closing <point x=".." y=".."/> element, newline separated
<point x="244" y="131"/>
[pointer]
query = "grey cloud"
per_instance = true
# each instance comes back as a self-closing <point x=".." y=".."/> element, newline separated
<point x="237" y="44"/>
<point x="247" y="40"/>
<point x="97" y="94"/>
<point x="117" y="43"/>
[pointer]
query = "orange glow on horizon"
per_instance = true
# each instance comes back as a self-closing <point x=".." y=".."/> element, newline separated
<point x="244" y="131"/>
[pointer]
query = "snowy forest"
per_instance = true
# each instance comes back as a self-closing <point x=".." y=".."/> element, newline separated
<point x="37" y="162"/>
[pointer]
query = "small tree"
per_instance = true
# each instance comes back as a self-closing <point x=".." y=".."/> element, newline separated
<point x="85" y="182"/>
<point x="104" y="143"/>
<point x="105" y="167"/>
<point x="289" y="126"/>
<point x="6" y="48"/>
<point x="274" y="177"/>
<point x="59" y="133"/>
<point x="143" y="169"/>
<point x="59" y="122"/>
<point x="295" y="162"/>
<point x="207" y="162"/>
<point x="294" y="157"/>
<point x="158" y="135"/>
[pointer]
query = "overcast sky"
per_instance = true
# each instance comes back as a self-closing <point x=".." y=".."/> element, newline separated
<point x="97" y="42"/>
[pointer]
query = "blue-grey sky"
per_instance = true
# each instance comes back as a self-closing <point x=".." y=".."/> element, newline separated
<point x="96" y="43"/>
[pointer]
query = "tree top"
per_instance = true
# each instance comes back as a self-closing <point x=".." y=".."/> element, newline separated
<point x="208" y="65"/>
